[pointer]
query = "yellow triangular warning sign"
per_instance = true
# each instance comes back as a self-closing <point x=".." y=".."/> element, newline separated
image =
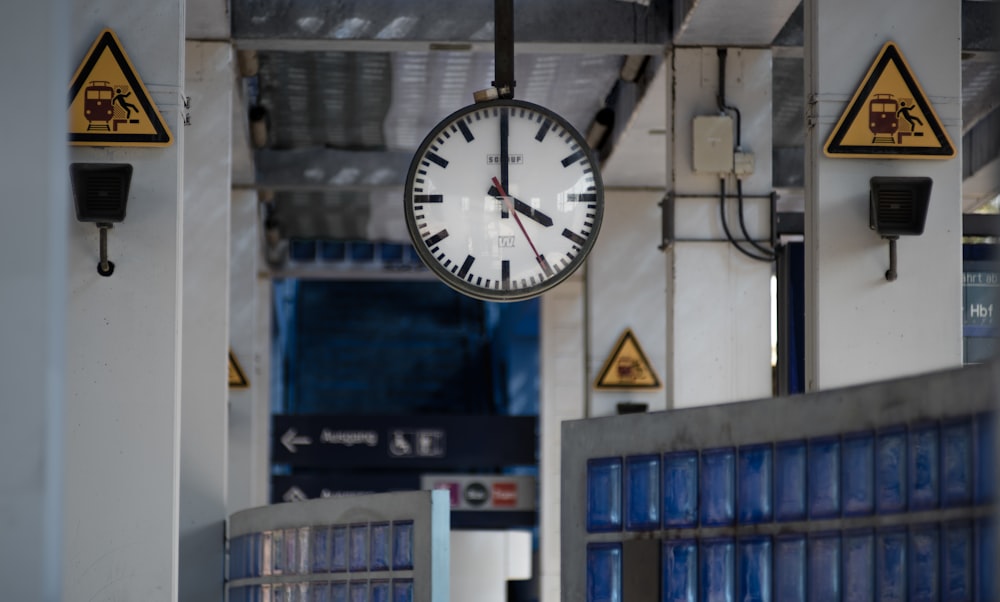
<point x="237" y="378"/>
<point x="627" y="367"/>
<point x="108" y="103"/>
<point x="889" y="116"/>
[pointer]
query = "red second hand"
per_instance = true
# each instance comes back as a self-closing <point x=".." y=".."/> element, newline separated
<point x="510" y="208"/>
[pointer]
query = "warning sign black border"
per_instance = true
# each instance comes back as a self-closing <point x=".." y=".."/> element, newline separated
<point x="628" y="334"/>
<point x="890" y="53"/>
<point x="108" y="40"/>
<point x="242" y="383"/>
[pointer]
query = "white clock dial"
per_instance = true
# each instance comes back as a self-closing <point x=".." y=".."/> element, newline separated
<point x="503" y="200"/>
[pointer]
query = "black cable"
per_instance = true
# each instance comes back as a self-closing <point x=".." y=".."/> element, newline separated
<point x="721" y="101"/>
<point x="743" y="226"/>
<point x="725" y="226"/>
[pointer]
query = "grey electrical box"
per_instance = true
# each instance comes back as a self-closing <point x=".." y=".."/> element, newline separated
<point x="713" y="144"/>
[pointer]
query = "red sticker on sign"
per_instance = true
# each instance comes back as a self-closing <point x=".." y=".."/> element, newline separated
<point x="505" y="495"/>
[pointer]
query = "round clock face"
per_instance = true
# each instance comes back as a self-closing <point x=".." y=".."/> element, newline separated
<point x="503" y="200"/>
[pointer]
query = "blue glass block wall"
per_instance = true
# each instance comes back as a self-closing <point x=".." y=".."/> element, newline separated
<point x="328" y="559"/>
<point x="881" y="510"/>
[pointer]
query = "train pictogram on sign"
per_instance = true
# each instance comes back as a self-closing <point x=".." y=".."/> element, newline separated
<point x="108" y="103"/>
<point x="889" y="116"/>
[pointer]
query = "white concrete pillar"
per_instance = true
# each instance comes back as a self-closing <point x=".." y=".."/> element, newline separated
<point x="33" y="298"/>
<point x="627" y="289"/>
<point x="209" y="79"/>
<point x="563" y="397"/>
<point x="719" y="300"/>
<point x="123" y="343"/>
<point x="859" y="326"/>
<point x="249" y="327"/>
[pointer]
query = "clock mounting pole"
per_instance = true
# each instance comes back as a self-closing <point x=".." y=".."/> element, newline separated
<point x="503" y="47"/>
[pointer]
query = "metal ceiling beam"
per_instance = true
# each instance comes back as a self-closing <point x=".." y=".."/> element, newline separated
<point x="749" y="23"/>
<point x="585" y="26"/>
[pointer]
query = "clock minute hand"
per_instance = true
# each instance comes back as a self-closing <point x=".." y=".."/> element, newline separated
<point x="524" y="208"/>
<point x="507" y="201"/>
<point x="504" y="154"/>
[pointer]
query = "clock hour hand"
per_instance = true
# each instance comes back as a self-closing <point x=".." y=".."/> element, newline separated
<point x="523" y="208"/>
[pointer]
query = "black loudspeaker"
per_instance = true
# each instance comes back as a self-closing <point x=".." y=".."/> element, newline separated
<point x="898" y="206"/>
<point x="100" y="191"/>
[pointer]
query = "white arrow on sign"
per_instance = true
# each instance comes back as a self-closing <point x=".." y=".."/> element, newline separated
<point x="291" y="438"/>
<point x="294" y="494"/>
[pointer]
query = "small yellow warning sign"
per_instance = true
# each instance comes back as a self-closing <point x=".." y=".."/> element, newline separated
<point x="889" y="116"/>
<point x="108" y="103"/>
<point x="237" y="378"/>
<point x="627" y="367"/>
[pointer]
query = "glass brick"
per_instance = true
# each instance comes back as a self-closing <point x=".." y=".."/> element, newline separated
<point x="754" y="580"/>
<point x="890" y="564"/>
<point x="924" y="564"/>
<point x="291" y="538"/>
<point x="255" y="553"/>
<point x="858" y="567"/>
<point x="318" y="591"/>
<point x="790" y="480"/>
<point x="402" y="545"/>
<point x="985" y="559"/>
<point x="402" y="590"/>
<point x="358" y="591"/>
<point x="338" y="549"/>
<point x="716" y="489"/>
<point x="266" y="553"/>
<point x="858" y="474"/>
<point x="320" y="546"/>
<point x="923" y="467"/>
<point x="380" y="591"/>
<point x="237" y="557"/>
<point x="380" y="548"/>
<point x="642" y="493"/>
<point x="358" y="548"/>
<point x="890" y="471"/>
<point x="277" y="552"/>
<point x="338" y="592"/>
<point x="956" y="562"/>
<point x="824" y="477"/>
<point x="604" y="494"/>
<point x="680" y="489"/>
<point x="717" y="570"/>
<point x="790" y="568"/>
<point x="304" y="551"/>
<point x="604" y="572"/>
<point x="754" y="488"/>
<point x="824" y="567"/>
<point x="280" y="593"/>
<point x="985" y="488"/>
<point x="956" y="463"/>
<point x="680" y="571"/>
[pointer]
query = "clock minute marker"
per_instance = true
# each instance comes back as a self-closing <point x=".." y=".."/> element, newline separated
<point x="438" y="159"/>
<point x="466" y="265"/>
<point x="443" y="234"/>
<point x="573" y="158"/>
<point x="573" y="236"/>
<point x="466" y="131"/>
<point x="540" y="135"/>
